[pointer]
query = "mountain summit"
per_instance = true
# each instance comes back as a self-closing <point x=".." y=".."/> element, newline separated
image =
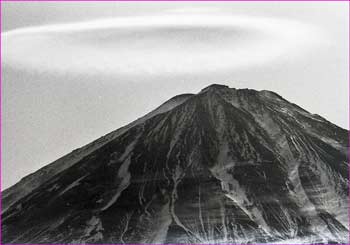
<point x="221" y="166"/>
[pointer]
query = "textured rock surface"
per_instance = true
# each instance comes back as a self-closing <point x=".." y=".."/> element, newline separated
<point x="221" y="166"/>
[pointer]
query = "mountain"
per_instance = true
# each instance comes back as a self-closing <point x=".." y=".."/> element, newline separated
<point x="222" y="166"/>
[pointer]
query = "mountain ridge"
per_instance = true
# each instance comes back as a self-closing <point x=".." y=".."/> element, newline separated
<point x="255" y="166"/>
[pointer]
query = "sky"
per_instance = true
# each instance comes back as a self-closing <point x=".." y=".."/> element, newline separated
<point x="74" y="71"/>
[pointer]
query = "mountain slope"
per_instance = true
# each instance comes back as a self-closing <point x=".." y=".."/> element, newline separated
<point x="221" y="166"/>
<point x="32" y="181"/>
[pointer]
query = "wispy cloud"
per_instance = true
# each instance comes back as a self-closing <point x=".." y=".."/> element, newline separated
<point x="159" y="44"/>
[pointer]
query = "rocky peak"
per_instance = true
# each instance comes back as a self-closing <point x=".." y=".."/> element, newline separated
<point x="214" y="86"/>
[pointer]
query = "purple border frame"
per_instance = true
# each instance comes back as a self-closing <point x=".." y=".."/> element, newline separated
<point x="173" y="1"/>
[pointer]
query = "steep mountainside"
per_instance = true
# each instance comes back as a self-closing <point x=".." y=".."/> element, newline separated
<point x="221" y="166"/>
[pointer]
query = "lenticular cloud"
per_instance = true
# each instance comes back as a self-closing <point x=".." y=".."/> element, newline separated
<point x="156" y="45"/>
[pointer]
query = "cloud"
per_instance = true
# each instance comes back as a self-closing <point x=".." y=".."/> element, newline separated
<point x="183" y="43"/>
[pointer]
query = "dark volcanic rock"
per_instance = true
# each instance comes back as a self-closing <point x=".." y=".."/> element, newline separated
<point x="222" y="166"/>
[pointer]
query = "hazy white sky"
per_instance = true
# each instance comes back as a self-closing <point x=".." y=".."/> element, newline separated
<point x="73" y="72"/>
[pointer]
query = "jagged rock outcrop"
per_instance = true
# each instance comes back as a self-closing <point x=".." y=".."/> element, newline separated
<point x="221" y="166"/>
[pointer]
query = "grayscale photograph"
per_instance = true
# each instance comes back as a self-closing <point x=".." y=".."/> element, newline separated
<point x="174" y="122"/>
